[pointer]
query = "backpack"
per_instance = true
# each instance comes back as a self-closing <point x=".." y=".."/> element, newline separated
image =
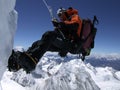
<point x="87" y="36"/>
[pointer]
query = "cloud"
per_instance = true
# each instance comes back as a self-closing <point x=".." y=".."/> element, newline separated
<point x="111" y="56"/>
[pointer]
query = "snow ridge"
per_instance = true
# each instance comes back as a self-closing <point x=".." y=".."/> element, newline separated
<point x="53" y="74"/>
<point x="70" y="76"/>
<point x="69" y="73"/>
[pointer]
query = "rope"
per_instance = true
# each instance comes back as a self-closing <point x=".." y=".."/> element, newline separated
<point x="49" y="8"/>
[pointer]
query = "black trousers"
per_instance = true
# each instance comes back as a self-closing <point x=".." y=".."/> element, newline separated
<point x="50" y="41"/>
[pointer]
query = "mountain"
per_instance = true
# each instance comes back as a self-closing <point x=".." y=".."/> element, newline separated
<point x="103" y="60"/>
<point x="55" y="73"/>
<point x="69" y="73"/>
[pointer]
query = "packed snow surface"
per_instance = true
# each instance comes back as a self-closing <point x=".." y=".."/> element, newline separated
<point x="69" y="73"/>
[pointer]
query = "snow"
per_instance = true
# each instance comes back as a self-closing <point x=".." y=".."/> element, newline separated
<point x="98" y="72"/>
<point x="9" y="84"/>
<point x="8" y="20"/>
<point x="19" y="48"/>
<point x="69" y="73"/>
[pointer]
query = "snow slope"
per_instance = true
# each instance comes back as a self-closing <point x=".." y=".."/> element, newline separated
<point x="70" y="73"/>
<point x="8" y="21"/>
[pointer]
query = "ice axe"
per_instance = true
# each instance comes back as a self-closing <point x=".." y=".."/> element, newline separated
<point x="95" y="20"/>
<point x="53" y="18"/>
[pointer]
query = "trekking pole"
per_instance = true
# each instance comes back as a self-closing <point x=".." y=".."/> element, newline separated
<point x="51" y="14"/>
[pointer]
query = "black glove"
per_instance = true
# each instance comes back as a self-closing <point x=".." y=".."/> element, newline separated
<point x="62" y="24"/>
<point x="55" y="22"/>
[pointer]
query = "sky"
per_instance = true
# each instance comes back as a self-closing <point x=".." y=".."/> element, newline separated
<point x="34" y="20"/>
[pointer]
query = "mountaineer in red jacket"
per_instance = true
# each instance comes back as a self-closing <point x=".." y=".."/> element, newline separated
<point x="71" y="23"/>
<point x="69" y="27"/>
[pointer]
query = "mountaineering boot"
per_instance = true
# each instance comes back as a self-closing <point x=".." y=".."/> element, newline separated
<point x="13" y="61"/>
<point x="19" y="60"/>
<point x="63" y="53"/>
<point x="65" y="48"/>
<point x="83" y="57"/>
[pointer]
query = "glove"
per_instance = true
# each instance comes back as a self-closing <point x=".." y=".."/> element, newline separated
<point x="55" y="22"/>
<point x="62" y="24"/>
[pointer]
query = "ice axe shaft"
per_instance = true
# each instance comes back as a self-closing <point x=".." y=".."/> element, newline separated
<point x="51" y="14"/>
<point x="95" y="20"/>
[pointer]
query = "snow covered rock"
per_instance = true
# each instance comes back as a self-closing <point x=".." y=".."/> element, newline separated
<point x="8" y="23"/>
<point x="70" y="75"/>
<point x="56" y="73"/>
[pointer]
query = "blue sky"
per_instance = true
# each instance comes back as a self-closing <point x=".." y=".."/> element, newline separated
<point x="34" y="19"/>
